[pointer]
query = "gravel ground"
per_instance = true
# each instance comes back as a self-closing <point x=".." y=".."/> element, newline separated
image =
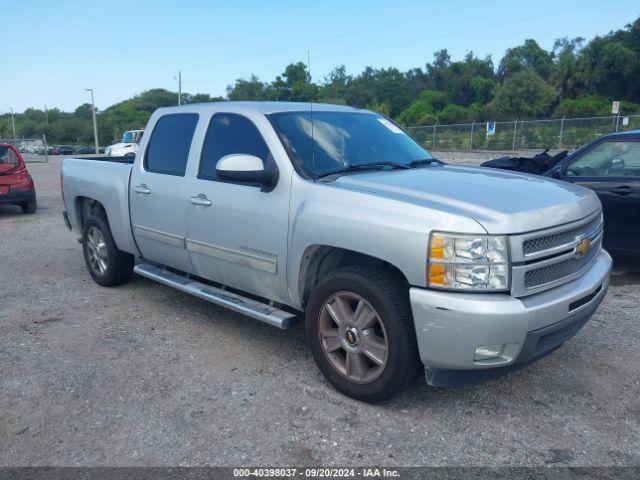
<point x="143" y="375"/>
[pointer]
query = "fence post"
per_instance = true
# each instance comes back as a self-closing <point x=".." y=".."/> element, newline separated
<point x="433" y="143"/>
<point x="471" y="138"/>
<point x="515" y="128"/>
<point x="46" y="147"/>
<point x="561" y="132"/>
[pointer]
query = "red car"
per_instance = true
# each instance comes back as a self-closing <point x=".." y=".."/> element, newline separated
<point x="16" y="185"/>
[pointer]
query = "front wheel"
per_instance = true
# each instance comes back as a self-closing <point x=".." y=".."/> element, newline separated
<point x="107" y="265"/>
<point x="360" y="330"/>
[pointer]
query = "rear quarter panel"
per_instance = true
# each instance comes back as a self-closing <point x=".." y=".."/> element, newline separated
<point x="106" y="183"/>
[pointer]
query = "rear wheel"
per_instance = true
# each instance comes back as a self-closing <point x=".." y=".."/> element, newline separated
<point x="29" y="206"/>
<point x="107" y="265"/>
<point x="360" y="329"/>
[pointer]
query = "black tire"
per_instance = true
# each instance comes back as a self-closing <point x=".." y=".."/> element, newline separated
<point x="118" y="264"/>
<point x="388" y="294"/>
<point x="29" y="206"/>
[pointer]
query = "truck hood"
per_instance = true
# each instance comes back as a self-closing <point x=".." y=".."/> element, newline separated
<point x="501" y="201"/>
<point x="121" y="145"/>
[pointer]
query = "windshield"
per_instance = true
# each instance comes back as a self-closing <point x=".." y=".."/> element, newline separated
<point x="338" y="140"/>
<point x="128" y="137"/>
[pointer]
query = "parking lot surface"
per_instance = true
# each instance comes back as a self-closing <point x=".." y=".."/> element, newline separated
<point x="144" y="375"/>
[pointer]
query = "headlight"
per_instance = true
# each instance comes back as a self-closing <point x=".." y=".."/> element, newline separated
<point x="468" y="262"/>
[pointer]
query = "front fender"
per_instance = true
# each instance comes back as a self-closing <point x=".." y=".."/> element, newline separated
<point x="388" y="229"/>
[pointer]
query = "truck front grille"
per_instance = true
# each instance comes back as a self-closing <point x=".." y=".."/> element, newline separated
<point x="548" y="258"/>
<point x="552" y="273"/>
<point x="541" y="243"/>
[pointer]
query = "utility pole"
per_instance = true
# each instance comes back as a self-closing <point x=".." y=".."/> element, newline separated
<point x="46" y="115"/>
<point x="13" y="125"/>
<point x="95" y="124"/>
<point x="179" y="87"/>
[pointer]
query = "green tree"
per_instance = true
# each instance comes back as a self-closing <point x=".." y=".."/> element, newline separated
<point x="588" y="106"/>
<point x="378" y="86"/>
<point x="294" y="85"/>
<point x="613" y="69"/>
<point x="527" y="56"/>
<point x="335" y="87"/>
<point x="567" y="76"/>
<point x="252" y="89"/>
<point x="84" y="111"/>
<point x="524" y="95"/>
<point x="423" y="110"/>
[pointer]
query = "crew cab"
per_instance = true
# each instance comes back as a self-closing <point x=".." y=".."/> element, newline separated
<point x="16" y="184"/>
<point x="397" y="262"/>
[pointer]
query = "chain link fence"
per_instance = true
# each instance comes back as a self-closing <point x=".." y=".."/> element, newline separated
<point x="560" y="133"/>
<point x="33" y="150"/>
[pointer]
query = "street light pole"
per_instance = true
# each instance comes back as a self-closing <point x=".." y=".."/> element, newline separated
<point x="13" y="125"/>
<point x="95" y="124"/>
<point x="179" y="87"/>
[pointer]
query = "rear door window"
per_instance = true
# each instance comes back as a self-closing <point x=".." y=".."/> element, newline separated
<point x="170" y="142"/>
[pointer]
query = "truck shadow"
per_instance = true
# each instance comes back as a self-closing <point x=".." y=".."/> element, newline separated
<point x="626" y="269"/>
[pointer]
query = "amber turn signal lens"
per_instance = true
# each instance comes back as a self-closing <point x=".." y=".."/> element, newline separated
<point x="436" y="249"/>
<point x="436" y="274"/>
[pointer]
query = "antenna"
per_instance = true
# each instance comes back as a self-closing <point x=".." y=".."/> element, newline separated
<point x="313" y="142"/>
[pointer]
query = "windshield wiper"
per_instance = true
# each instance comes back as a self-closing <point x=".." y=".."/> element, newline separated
<point x="423" y="161"/>
<point x="363" y="167"/>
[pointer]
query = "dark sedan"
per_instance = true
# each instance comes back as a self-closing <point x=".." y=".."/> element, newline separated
<point x="63" y="150"/>
<point x="610" y="166"/>
<point x="85" y="150"/>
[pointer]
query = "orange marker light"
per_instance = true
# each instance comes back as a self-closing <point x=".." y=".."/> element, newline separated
<point x="436" y="250"/>
<point x="437" y="274"/>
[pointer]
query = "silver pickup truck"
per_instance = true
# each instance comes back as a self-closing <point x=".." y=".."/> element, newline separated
<point x="398" y="263"/>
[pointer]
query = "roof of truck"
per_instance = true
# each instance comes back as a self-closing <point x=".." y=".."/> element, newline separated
<point x="268" y="107"/>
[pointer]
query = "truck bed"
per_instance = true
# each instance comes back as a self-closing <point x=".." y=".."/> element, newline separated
<point x="126" y="159"/>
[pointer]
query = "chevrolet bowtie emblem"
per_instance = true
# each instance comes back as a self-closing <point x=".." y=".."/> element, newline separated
<point x="583" y="247"/>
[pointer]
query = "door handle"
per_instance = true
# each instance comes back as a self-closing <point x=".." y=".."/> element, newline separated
<point x="142" y="189"/>
<point x="622" y="190"/>
<point x="201" y="200"/>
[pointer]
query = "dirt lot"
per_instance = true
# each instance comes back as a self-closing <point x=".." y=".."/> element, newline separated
<point x="143" y="375"/>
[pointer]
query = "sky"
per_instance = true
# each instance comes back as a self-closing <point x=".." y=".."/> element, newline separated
<point x="53" y="51"/>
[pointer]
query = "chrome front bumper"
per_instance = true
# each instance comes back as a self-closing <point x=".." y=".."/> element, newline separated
<point x="451" y="326"/>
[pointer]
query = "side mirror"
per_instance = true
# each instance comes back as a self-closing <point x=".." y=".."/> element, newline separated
<point x="239" y="167"/>
<point x="558" y="172"/>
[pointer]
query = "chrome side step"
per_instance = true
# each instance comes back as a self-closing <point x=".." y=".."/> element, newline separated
<point x="247" y="306"/>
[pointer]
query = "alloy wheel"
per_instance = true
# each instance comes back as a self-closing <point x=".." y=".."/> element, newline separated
<point x="97" y="250"/>
<point x="353" y="337"/>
